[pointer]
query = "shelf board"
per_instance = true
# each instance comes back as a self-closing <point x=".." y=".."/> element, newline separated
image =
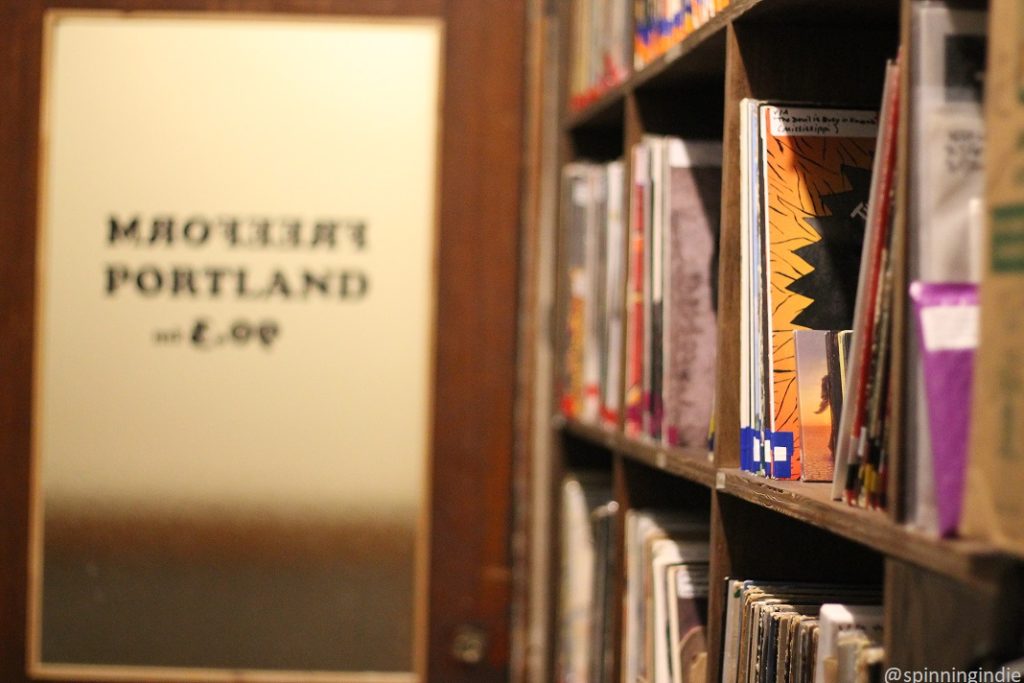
<point x="692" y="464"/>
<point x="605" y="112"/>
<point x="811" y="502"/>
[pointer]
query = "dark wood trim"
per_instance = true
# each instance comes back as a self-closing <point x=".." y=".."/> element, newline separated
<point x="417" y="8"/>
<point x="561" y="14"/>
<point x="533" y="549"/>
<point x="19" y="136"/>
<point x="721" y="569"/>
<point x="476" y="354"/>
<point x="528" y="328"/>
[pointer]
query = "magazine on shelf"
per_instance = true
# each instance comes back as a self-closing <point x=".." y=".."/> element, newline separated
<point x="689" y="335"/>
<point x="805" y="178"/>
<point x="947" y="63"/>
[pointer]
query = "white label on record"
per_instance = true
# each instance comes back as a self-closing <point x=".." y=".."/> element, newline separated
<point x="826" y="123"/>
<point x="950" y="328"/>
<point x="581" y="194"/>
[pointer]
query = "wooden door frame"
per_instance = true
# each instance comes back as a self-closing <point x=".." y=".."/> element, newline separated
<point x="475" y="346"/>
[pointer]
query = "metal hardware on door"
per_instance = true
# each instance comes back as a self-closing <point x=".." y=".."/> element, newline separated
<point x="469" y="644"/>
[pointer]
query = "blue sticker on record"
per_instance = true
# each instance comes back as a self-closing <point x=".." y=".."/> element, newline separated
<point x="747" y="436"/>
<point x="782" y="455"/>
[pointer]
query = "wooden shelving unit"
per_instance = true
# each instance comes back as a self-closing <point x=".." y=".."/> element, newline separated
<point x="830" y="51"/>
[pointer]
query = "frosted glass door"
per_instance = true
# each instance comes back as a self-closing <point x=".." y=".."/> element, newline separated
<point x="233" y="381"/>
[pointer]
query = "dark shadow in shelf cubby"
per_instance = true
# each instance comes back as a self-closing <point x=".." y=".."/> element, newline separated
<point x="816" y="13"/>
<point x="693" y="111"/>
<point x="762" y="544"/>
<point x="688" y="463"/>
<point x="597" y="143"/>
<point x="596" y="132"/>
<point x="584" y="454"/>
<point x="605" y="113"/>
<point x="646" y="487"/>
<point x="826" y="64"/>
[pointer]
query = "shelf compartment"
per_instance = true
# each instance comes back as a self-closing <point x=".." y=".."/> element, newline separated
<point x="700" y="57"/>
<point x="811" y="502"/>
<point x="824" y="13"/>
<point x="692" y="464"/>
<point x="604" y="112"/>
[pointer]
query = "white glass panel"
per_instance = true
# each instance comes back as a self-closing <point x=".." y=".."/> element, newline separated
<point x="235" y="335"/>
